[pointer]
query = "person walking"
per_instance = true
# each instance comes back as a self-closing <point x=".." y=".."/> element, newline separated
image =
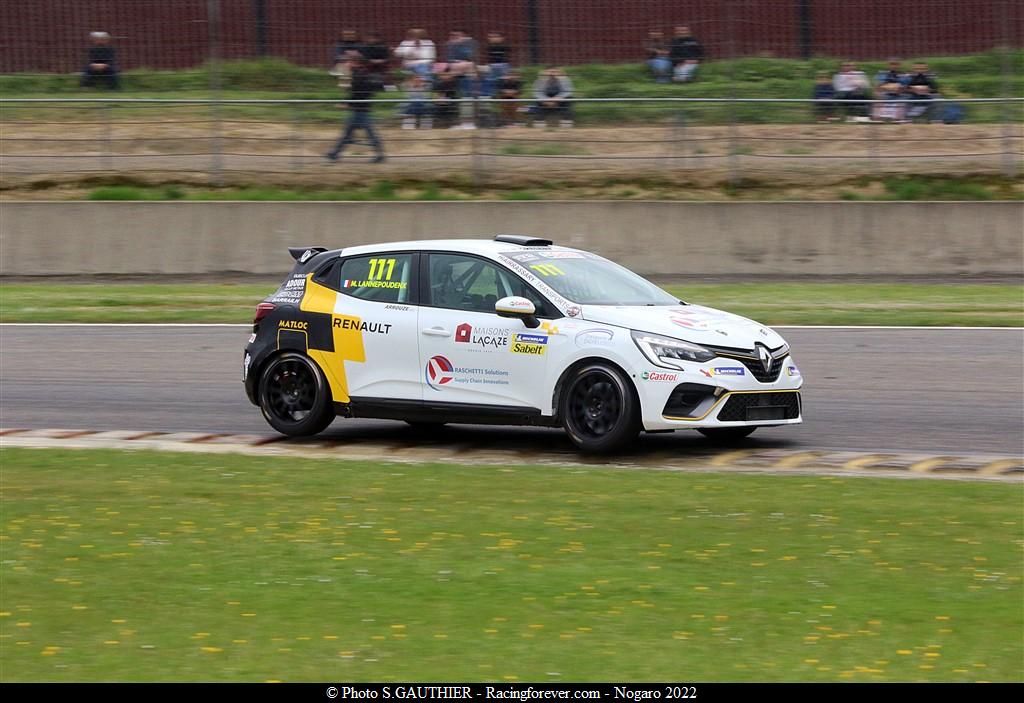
<point x="364" y="85"/>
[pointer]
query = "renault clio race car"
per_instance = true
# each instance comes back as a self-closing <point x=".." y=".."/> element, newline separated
<point x="513" y="331"/>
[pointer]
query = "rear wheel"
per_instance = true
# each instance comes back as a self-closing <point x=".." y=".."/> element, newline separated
<point x="726" y="435"/>
<point x="294" y="396"/>
<point x="599" y="410"/>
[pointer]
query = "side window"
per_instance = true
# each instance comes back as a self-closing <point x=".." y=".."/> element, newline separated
<point x="382" y="278"/>
<point x="467" y="283"/>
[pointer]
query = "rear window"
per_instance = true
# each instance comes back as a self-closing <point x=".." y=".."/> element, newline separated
<point x="384" y="278"/>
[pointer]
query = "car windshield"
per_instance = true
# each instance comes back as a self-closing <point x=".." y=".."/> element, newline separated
<point x="588" y="279"/>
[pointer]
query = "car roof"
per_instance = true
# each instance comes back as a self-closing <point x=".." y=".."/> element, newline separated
<point x="483" y="247"/>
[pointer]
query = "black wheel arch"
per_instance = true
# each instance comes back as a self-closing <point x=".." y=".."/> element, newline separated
<point x="556" y="397"/>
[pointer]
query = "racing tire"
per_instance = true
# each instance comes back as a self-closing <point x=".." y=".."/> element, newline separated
<point x="294" y="396"/>
<point x="727" y="435"/>
<point x="599" y="409"/>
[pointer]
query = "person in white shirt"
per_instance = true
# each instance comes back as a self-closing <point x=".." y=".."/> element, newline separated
<point x="417" y="53"/>
<point x="852" y="87"/>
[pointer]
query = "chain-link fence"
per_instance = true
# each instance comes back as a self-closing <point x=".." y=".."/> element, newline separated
<point x="50" y="35"/>
<point x="508" y="142"/>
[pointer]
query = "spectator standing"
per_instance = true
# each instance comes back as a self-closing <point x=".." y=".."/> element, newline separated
<point x="377" y="56"/>
<point x="101" y="63"/>
<point x="657" y="56"/>
<point x="417" y="53"/>
<point x="852" y="89"/>
<point x="686" y="53"/>
<point x="418" y="111"/>
<point x="497" y="55"/>
<point x="553" y="91"/>
<point x="364" y="85"/>
<point x="460" y="53"/>
<point x="446" y="95"/>
<point x="921" y="88"/>
<point x="346" y="48"/>
<point x="824" y="91"/>
<point x="349" y="42"/>
<point x="509" y="90"/>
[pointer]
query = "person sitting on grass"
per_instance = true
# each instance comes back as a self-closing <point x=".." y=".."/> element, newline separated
<point x="921" y="88"/>
<point x="686" y="53"/>
<point x="101" y="64"/>
<point x="825" y="92"/>
<point x="509" y="90"/>
<point x="657" y="56"/>
<point x="553" y="92"/>
<point x="852" y="89"/>
<point x="891" y="84"/>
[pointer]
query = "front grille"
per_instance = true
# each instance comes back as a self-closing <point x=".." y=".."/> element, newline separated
<point x="757" y="370"/>
<point x="735" y="408"/>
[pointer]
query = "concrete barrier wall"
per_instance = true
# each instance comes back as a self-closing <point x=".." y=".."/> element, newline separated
<point x="769" y="238"/>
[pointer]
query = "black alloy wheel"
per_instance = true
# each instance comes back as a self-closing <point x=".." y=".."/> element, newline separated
<point x="599" y="410"/>
<point x="294" y="396"/>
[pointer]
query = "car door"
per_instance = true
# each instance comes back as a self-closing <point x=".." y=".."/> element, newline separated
<point x="374" y="325"/>
<point x="468" y="354"/>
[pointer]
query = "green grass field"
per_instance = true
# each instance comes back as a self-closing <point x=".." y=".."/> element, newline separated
<point x="977" y="76"/>
<point x="140" y="566"/>
<point x="994" y="305"/>
<point x="903" y="188"/>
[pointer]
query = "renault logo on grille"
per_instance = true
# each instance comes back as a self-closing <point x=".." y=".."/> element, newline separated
<point x="765" y="356"/>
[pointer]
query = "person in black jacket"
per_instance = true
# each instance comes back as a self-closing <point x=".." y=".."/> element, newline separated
<point x="101" y="64"/>
<point x="685" y="53"/>
<point x="364" y="85"/>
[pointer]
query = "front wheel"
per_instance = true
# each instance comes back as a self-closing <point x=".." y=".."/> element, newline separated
<point x="294" y="396"/>
<point x="599" y="410"/>
<point x="727" y="435"/>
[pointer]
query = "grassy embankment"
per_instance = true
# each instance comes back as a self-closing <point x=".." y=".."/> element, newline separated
<point x="975" y="76"/>
<point x="139" y="566"/>
<point x="997" y="305"/>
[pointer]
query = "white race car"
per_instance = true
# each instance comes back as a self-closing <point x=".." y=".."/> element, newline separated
<point x="514" y="331"/>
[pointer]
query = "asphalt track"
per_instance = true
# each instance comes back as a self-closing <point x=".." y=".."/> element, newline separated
<point x="926" y="390"/>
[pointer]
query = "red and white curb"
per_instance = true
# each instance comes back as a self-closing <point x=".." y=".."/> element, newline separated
<point x="777" y="461"/>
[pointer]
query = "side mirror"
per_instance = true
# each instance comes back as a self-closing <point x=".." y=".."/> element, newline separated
<point x="514" y="306"/>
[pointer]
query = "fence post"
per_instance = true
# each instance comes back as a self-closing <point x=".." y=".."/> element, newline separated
<point x="474" y="142"/>
<point x="296" y="140"/>
<point x="108" y="128"/>
<point x="1009" y="160"/>
<point x="734" y="156"/>
<point x="213" y="31"/>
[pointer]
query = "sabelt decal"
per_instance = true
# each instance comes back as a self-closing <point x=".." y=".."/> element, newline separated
<point x="658" y="376"/>
<point x="441" y="373"/>
<point x="529" y="344"/>
<point x="481" y="338"/>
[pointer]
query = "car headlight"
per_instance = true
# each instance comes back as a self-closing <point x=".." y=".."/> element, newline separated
<point x="668" y="352"/>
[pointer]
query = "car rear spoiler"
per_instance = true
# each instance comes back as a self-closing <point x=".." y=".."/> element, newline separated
<point x="304" y="254"/>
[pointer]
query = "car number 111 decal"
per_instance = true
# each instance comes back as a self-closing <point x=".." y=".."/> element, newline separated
<point x="377" y="269"/>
